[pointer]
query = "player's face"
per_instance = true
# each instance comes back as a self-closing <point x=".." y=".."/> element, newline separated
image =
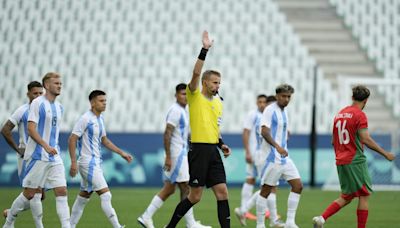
<point x="261" y="103"/>
<point x="283" y="99"/>
<point x="212" y="84"/>
<point x="34" y="92"/>
<point x="99" y="103"/>
<point x="181" y="97"/>
<point x="54" y="86"/>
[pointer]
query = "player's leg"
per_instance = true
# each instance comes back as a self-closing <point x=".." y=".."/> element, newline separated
<point x="221" y="194"/>
<point x="79" y="205"/>
<point x="56" y="181"/>
<point x="248" y="186"/>
<point x="291" y="174"/>
<point x="105" y="198"/>
<point x="362" y="211"/>
<point x="334" y="207"/>
<point x="19" y="204"/>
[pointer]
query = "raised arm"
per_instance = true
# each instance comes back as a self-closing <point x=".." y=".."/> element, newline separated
<point x="6" y="132"/>
<point x="167" y="146"/>
<point x="370" y="143"/>
<point x="109" y="145"/>
<point x="72" y="140"/>
<point x="207" y="43"/>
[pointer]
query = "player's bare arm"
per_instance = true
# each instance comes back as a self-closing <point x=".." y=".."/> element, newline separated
<point x="194" y="83"/>
<point x="266" y="134"/>
<point x="370" y="143"/>
<point x="35" y="136"/>
<point x="167" y="146"/>
<point x="6" y="131"/>
<point x="245" y="137"/>
<point x="72" y="140"/>
<point x="109" y="145"/>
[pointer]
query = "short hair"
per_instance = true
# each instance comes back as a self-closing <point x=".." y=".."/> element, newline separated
<point x="96" y="93"/>
<point x="360" y="92"/>
<point x="284" y="88"/>
<point x="271" y="99"/>
<point x="34" y="84"/>
<point x="208" y="73"/>
<point x="179" y="87"/>
<point x="262" y="96"/>
<point x="48" y="76"/>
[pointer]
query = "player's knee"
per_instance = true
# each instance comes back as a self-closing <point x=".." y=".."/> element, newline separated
<point x="251" y="181"/>
<point x="297" y="188"/>
<point x="60" y="191"/>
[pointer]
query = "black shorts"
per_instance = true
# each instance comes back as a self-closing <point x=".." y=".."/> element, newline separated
<point x="205" y="165"/>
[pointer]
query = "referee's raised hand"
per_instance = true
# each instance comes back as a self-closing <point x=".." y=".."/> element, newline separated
<point x="207" y="42"/>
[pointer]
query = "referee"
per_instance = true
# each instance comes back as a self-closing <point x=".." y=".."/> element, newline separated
<point x="205" y="163"/>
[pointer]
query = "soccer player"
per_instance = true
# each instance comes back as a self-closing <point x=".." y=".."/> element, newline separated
<point x="19" y="118"/>
<point x="350" y="133"/>
<point x="89" y="132"/>
<point x="252" y="140"/>
<point x="205" y="163"/>
<point x="274" y="129"/>
<point x="42" y="153"/>
<point x="176" y="167"/>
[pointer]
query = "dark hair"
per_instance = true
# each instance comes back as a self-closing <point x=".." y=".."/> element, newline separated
<point x="34" y="84"/>
<point x="95" y="93"/>
<point x="208" y="73"/>
<point x="360" y="92"/>
<point x="261" y="96"/>
<point x="180" y="86"/>
<point x="284" y="88"/>
<point x="271" y="99"/>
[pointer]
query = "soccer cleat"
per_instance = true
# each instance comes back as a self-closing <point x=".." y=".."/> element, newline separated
<point x="197" y="224"/>
<point x="318" y="222"/>
<point x="146" y="223"/>
<point x="240" y="216"/>
<point x="291" y="225"/>
<point x="277" y="223"/>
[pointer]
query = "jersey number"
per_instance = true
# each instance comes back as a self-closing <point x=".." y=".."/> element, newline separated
<point x="343" y="133"/>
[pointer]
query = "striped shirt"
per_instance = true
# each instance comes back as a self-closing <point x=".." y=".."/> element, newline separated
<point x="90" y="129"/>
<point x="252" y="123"/>
<point x="178" y="117"/>
<point x="277" y="121"/>
<point x="47" y="115"/>
<point x="20" y="118"/>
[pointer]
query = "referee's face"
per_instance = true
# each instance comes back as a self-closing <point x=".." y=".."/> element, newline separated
<point x="212" y="84"/>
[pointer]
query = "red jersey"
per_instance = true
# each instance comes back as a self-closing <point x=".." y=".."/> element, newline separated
<point x="346" y="141"/>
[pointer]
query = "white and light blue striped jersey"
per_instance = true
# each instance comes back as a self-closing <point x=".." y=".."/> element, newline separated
<point x="178" y="117"/>
<point x="252" y="122"/>
<point x="47" y="116"/>
<point x="90" y="129"/>
<point x="20" y="119"/>
<point x="277" y="121"/>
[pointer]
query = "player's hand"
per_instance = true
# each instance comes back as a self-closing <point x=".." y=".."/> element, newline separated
<point x="207" y="43"/>
<point x="50" y="150"/>
<point x="282" y="151"/>
<point x="249" y="160"/>
<point x="127" y="157"/>
<point x="167" y="164"/>
<point x="73" y="170"/>
<point x="390" y="156"/>
<point x="226" y="150"/>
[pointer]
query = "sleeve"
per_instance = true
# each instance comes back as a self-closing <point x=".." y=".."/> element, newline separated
<point x="266" y="118"/>
<point x="34" y="109"/>
<point x="248" y="121"/>
<point x="103" y="132"/>
<point x="173" y="117"/>
<point x="363" y="121"/>
<point x="16" y="117"/>
<point x="80" y="127"/>
<point x="191" y="96"/>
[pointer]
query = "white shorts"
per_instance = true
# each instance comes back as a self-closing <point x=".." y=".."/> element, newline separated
<point x="21" y="168"/>
<point x="41" y="174"/>
<point x="251" y="171"/>
<point x="179" y="171"/>
<point x="273" y="172"/>
<point x="92" y="177"/>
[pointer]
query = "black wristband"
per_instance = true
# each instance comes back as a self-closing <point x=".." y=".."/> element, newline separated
<point x="203" y="54"/>
<point x="220" y="143"/>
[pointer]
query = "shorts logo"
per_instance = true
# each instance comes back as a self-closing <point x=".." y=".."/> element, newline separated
<point x="195" y="181"/>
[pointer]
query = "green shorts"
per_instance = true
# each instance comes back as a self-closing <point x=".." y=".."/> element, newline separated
<point x="354" y="180"/>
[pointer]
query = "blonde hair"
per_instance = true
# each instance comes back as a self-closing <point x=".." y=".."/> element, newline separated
<point x="48" y="76"/>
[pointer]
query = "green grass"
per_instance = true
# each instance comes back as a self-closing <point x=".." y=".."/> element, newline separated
<point x="131" y="202"/>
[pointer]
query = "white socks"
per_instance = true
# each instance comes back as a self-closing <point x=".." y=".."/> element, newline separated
<point x="271" y="203"/>
<point x="37" y="210"/>
<point x="293" y="202"/>
<point x="20" y="203"/>
<point x="247" y="191"/>
<point x="155" y="204"/>
<point x="63" y="211"/>
<point x="77" y="209"/>
<point x="109" y="210"/>
<point x="261" y="206"/>
<point x="189" y="218"/>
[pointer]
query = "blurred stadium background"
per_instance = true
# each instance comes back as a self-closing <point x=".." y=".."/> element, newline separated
<point x="137" y="51"/>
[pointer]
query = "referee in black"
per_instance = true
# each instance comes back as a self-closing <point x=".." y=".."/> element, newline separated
<point x="205" y="163"/>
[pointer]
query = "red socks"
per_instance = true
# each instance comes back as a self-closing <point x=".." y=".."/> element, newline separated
<point x="331" y="210"/>
<point x="362" y="216"/>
